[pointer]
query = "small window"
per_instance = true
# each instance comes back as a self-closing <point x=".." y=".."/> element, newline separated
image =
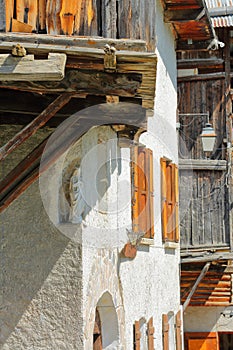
<point x="169" y="189"/>
<point x="142" y="189"/>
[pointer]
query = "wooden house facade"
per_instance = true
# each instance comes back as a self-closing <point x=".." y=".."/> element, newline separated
<point x="206" y="187"/>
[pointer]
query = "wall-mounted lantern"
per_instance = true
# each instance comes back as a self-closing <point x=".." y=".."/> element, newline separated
<point x="208" y="138"/>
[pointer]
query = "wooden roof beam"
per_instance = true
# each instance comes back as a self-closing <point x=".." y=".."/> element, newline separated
<point x="37" y="123"/>
<point x="183" y="15"/>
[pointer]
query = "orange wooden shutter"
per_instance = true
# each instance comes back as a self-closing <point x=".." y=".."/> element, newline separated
<point x="143" y="209"/>
<point x="150" y="330"/>
<point x="135" y="199"/>
<point x="163" y="163"/>
<point x="150" y="228"/>
<point x="165" y="333"/>
<point x="137" y="335"/>
<point x="201" y="341"/>
<point x="9" y="4"/>
<point x="177" y="230"/>
<point x="178" y="332"/>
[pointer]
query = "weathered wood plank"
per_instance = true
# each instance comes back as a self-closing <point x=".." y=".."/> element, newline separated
<point x="89" y="82"/>
<point x="26" y="12"/>
<point x="17" y="26"/>
<point x="4" y="16"/>
<point x="28" y="69"/>
<point x="31" y="128"/>
<point x="53" y="21"/>
<point x="91" y="42"/>
<point x="9" y="8"/>
<point x="67" y="16"/>
<point x="42" y="15"/>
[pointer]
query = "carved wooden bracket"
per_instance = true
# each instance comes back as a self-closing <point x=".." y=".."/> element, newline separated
<point x="28" y="69"/>
<point x="110" y="61"/>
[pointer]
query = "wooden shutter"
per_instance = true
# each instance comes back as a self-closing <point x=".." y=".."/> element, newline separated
<point x="163" y="163"/>
<point x="201" y="341"/>
<point x="143" y="194"/>
<point x="150" y="330"/>
<point x="137" y="335"/>
<point x="177" y="227"/>
<point x="178" y="331"/>
<point x="165" y="332"/>
<point x="170" y="199"/>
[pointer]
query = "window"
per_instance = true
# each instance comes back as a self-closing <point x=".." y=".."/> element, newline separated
<point x="169" y="189"/>
<point x="143" y="195"/>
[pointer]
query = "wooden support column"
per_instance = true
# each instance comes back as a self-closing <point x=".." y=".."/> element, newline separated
<point x="37" y="123"/>
<point x="200" y="277"/>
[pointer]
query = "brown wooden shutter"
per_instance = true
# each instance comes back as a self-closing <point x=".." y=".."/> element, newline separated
<point x="143" y="194"/>
<point x="165" y="332"/>
<point x="178" y="331"/>
<point x="150" y="330"/>
<point x="137" y="335"/>
<point x="163" y="163"/>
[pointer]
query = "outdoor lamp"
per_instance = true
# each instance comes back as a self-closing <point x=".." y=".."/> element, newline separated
<point x="208" y="138"/>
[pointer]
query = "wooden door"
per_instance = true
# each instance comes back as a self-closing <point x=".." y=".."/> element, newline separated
<point x="201" y="341"/>
<point x="97" y="337"/>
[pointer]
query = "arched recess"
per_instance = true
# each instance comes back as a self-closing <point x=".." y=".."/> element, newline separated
<point x="109" y="323"/>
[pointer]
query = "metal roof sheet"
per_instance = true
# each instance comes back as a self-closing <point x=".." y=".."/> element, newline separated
<point x="218" y="3"/>
<point x="222" y="21"/>
<point x="221" y="12"/>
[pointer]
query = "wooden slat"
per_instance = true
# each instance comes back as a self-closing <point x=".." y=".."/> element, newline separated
<point x="9" y="8"/>
<point x="42" y="15"/>
<point x="137" y="335"/>
<point x="165" y="332"/>
<point x="53" y="21"/>
<point x="26" y="11"/>
<point x="67" y="16"/>
<point x="31" y="128"/>
<point x="150" y="332"/>
<point x="178" y="331"/>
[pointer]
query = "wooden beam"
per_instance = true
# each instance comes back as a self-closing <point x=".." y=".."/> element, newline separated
<point x="199" y="77"/>
<point x="27" y="69"/>
<point x="91" y="82"/>
<point x="21" y="171"/>
<point x="200" y="277"/>
<point x="202" y="164"/>
<point x="182" y="15"/>
<point x="37" y="123"/>
<point x="195" y="45"/>
<point x="74" y="41"/>
<point x="207" y="257"/>
<point x="199" y="63"/>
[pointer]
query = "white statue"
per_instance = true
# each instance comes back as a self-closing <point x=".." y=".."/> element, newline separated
<point x="77" y="202"/>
